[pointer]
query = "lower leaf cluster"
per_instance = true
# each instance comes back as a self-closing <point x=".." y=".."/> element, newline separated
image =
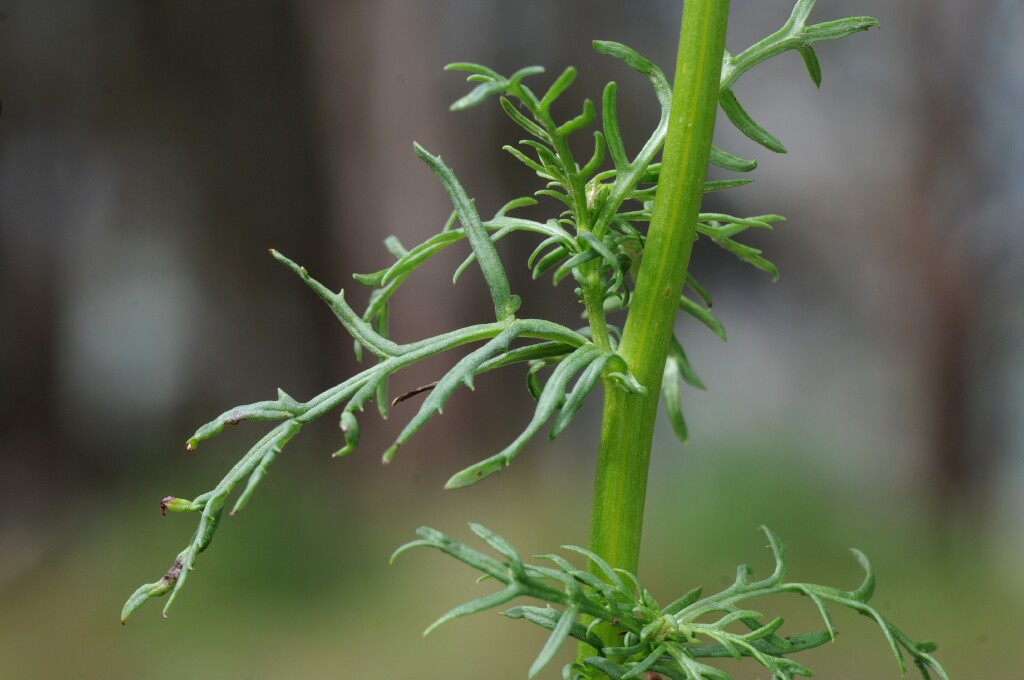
<point x="679" y="640"/>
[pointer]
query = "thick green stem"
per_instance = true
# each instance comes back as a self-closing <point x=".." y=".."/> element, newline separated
<point x="628" y="422"/>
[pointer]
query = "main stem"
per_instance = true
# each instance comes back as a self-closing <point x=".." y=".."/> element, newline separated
<point x="627" y="426"/>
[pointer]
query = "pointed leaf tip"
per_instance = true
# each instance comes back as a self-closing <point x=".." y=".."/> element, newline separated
<point x="475" y="473"/>
<point x="811" y="62"/>
<point x="866" y="589"/>
<point x="505" y="304"/>
<point x="558" y="637"/>
<point x="745" y="124"/>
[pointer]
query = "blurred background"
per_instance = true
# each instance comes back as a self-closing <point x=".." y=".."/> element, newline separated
<point x="151" y="152"/>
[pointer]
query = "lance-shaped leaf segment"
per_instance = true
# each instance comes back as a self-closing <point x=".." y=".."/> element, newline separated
<point x="505" y="303"/>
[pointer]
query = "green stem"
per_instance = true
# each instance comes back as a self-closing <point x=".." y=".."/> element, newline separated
<point x="628" y="421"/>
<point x="593" y="299"/>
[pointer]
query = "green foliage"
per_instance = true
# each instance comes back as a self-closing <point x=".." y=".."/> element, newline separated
<point x="678" y="640"/>
<point x="595" y="241"/>
<point x="794" y="35"/>
<point x="597" y="236"/>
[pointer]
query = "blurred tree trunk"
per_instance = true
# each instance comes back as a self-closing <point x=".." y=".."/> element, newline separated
<point x="938" y="215"/>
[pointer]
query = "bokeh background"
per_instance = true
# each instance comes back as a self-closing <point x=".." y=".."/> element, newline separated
<point x="150" y="153"/>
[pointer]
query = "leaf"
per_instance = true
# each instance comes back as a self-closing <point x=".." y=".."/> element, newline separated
<point x="781" y="558"/>
<point x="580" y="121"/>
<point x="473" y="68"/>
<point x="749" y="255"/>
<point x="548" y="617"/>
<point x="683" y="602"/>
<point x="515" y="79"/>
<point x="719" y="225"/>
<point x="480" y="604"/>
<point x="350" y="430"/>
<point x="555" y="642"/>
<point x="371" y="280"/>
<point x="283" y="434"/>
<point x="622" y="378"/>
<point x="703" y="315"/>
<point x="495" y="237"/>
<point x="491" y="83"/>
<point x="612" y="670"/>
<point x="282" y="408"/>
<point x="148" y="591"/>
<point x="506" y="225"/>
<point x="557" y="195"/>
<point x="836" y="30"/>
<point x="588" y="379"/>
<point x="533" y="385"/>
<point x="612" y="135"/>
<point x="560" y="85"/>
<point x="173" y="581"/>
<point x="600" y="248"/>
<point x="255" y="478"/>
<point x="528" y="162"/>
<point x="353" y="323"/>
<point x="826" y="616"/>
<point x="515" y="204"/>
<point x="574" y="574"/>
<point x="537" y="351"/>
<point x="866" y="589"/>
<point x="596" y="159"/>
<point x="478" y="95"/>
<point x="432" y="538"/>
<point x="546" y="243"/>
<point x="646" y="663"/>
<point x="499" y="545"/>
<point x="524" y="122"/>
<point x="460" y="374"/>
<point x="572" y="263"/>
<point x="662" y="641"/>
<point x="727" y="161"/>
<point x="550" y="399"/>
<point x="505" y="304"/>
<point x="701" y="292"/>
<point x="610" y="574"/>
<point x="795" y="643"/>
<point x="719" y="184"/>
<point x="381" y="326"/>
<point x="632" y="650"/>
<point x="745" y="124"/>
<point x="640" y="64"/>
<point x="811" y="62"/>
<point x="670" y="390"/>
<point x="549" y="159"/>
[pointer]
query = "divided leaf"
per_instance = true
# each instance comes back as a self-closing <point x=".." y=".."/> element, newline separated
<point x="670" y="641"/>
